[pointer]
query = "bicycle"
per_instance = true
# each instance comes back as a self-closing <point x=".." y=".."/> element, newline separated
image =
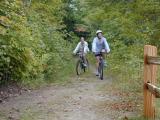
<point x="80" y="64"/>
<point x="101" y="66"/>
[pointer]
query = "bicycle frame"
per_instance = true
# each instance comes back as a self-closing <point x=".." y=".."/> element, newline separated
<point x="80" y="63"/>
<point x="81" y="57"/>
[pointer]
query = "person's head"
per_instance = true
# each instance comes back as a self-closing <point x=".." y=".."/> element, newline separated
<point x="82" y="40"/>
<point x="99" y="34"/>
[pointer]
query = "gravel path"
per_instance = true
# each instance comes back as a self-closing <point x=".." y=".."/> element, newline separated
<point x="83" y="99"/>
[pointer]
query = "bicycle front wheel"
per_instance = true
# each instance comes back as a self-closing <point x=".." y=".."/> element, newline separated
<point x="79" y="67"/>
<point x="100" y="70"/>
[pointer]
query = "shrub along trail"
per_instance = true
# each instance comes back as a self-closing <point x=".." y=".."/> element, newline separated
<point x="83" y="98"/>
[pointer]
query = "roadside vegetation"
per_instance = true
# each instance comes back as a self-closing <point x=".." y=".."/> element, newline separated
<point x="37" y="39"/>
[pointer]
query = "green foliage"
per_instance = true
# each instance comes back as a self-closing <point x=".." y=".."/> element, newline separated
<point x="34" y="49"/>
<point x="128" y="25"/>
<point x="32" y="46"/>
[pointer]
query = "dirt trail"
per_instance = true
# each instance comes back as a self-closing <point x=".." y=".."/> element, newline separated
<point x="83" y="99"/>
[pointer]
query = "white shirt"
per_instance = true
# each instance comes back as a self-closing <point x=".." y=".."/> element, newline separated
<point x="80" y="47"/>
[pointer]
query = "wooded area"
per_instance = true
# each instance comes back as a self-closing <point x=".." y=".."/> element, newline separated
<point x="36" y="37"/>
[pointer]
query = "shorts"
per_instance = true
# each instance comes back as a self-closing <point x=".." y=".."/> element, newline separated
<point x="98" y="54"/>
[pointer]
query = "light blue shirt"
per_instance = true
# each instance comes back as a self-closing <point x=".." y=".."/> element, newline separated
<point x="99" y="44"/>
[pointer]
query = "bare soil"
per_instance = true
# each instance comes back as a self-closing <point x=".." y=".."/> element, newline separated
<point x="84" y="98"/>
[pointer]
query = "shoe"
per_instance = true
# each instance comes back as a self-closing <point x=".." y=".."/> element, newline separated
<point x="84" y="65"/>
<point x="97" y="73"/>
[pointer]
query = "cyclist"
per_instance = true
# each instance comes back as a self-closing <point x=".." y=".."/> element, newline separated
<point x="99" y="45"/>
<point x="82" y="47"/>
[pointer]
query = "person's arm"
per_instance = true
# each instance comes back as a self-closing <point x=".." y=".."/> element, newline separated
<point x="94" y="45"/>
<point x="77" y="48"/>
<point x="106" y="46"/>
<point x="86" y="49"/>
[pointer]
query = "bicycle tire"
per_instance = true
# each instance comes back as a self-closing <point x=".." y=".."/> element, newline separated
<point x="78" y="67"/>
<point x="84" y="69"/>
<point x="101" y="75"/>
<point x="100" y="69"/>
